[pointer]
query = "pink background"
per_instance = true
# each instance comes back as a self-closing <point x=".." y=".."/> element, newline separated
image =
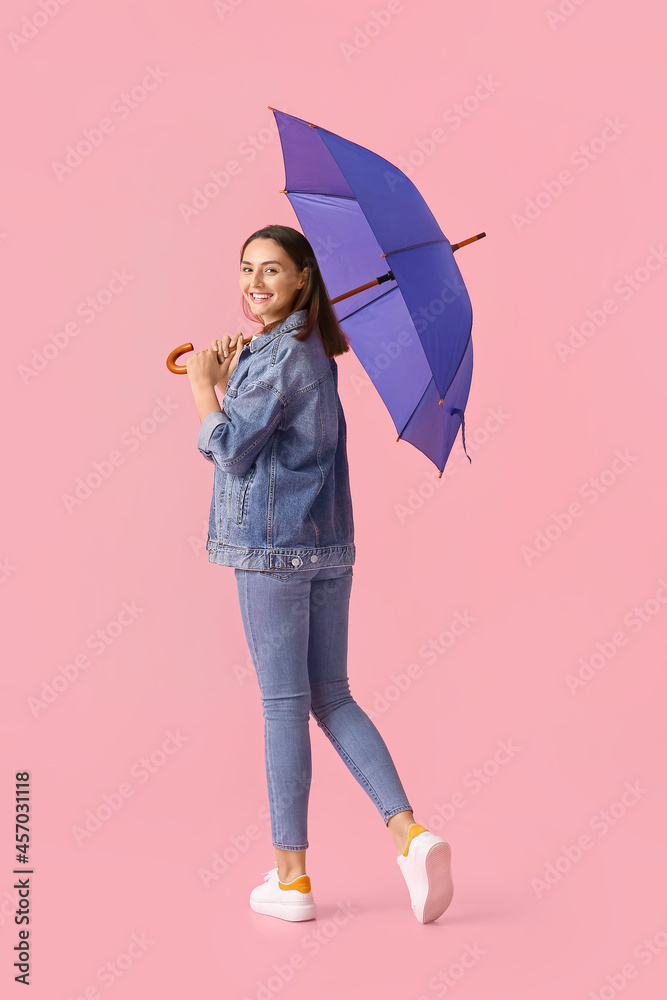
<point x="533" y="914"/>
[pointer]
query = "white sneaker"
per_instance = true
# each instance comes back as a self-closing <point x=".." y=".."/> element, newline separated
<point x="289" y="900"/>
<point x="426" y="867"/>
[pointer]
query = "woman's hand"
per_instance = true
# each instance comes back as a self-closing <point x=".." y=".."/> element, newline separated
<point x="203" y="367"/>
<point x="228" y="350"/>
<point x="215" y="364"/>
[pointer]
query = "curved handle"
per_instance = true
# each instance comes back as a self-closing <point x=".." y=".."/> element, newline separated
<point x="176" y="353"/>
<point x="183" y="349"/>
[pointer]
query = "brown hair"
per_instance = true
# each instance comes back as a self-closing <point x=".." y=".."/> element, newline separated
<point x="313" y="296"/>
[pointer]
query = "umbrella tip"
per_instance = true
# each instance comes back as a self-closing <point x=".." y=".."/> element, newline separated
<point x="269" y="107"/>
<point x="440" y="402"/>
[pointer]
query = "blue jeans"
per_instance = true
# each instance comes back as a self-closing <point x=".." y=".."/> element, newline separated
<point x="296" y="626"/>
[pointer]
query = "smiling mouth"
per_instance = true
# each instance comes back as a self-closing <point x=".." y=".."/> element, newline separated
<point x="260" y="298"/>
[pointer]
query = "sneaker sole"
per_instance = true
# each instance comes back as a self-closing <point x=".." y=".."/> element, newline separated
<point x="287" y="911"/>
<point x="438" y="865"/>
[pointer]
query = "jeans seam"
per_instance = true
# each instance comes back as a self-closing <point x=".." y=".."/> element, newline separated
<point x="400" y="809"/>
<point x="272" y="805"/>
<point x="347" y="757"/>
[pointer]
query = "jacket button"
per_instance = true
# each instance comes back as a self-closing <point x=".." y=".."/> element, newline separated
<point x="296" y="561"/>
<point x="313" y="558"/>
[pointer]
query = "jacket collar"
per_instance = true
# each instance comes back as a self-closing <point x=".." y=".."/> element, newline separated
<point x="293" y="321"/>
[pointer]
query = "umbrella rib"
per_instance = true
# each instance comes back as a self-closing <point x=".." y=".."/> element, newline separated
<point x="415" y="246"/>
<point x="432" y="379"/>
<point x="459" y="364"/>
<point x="396" y="288"/>
<point x="324" y="194"/>
<point x="370" y="303"/>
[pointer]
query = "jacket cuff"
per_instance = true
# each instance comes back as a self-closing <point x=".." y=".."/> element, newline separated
<point x="206" y="428"/>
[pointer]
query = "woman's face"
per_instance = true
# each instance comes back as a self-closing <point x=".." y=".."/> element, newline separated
<point x="270" y="280"/>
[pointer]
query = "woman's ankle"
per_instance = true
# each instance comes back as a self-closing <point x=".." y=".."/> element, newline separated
<point x="398" y="825"/>
<point x="291" y="864"/>
<point x="286" y="877"/>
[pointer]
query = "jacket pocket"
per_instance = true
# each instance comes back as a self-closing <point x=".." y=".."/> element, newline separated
<point x="244" y="489"/>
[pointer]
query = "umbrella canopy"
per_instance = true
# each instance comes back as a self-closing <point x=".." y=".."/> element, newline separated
<point x="411" y="330"/>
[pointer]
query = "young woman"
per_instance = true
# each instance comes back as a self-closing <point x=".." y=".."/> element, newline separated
<point x="281" y="515"/>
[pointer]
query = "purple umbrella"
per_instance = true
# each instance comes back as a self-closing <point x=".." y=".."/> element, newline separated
<point x="411" y="326"/>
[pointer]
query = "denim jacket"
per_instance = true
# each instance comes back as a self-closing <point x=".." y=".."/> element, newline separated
<point x="281" y="493"/>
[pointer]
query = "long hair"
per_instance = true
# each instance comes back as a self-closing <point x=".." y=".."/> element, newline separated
<point x="313" y="296"/>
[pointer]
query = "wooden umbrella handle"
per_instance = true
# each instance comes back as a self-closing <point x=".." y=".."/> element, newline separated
<point x="183" y="349"/>
<point x="176" y="353"/>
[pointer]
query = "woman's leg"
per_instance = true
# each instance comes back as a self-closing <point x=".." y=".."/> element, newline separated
<point x="343" y="721"/>
<point x="275" y="617"/>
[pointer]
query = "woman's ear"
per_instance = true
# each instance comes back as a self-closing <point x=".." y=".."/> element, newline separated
<point x="304" y="278"/>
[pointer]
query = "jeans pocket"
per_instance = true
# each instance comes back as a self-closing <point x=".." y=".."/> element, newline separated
<point x="275" y="575"/>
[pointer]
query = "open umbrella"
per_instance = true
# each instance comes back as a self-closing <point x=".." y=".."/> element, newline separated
<point x="413" y="337"/>
<point x="410" y="326"/>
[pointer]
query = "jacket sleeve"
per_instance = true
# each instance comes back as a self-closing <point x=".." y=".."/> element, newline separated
<point x="233" y="437"/>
